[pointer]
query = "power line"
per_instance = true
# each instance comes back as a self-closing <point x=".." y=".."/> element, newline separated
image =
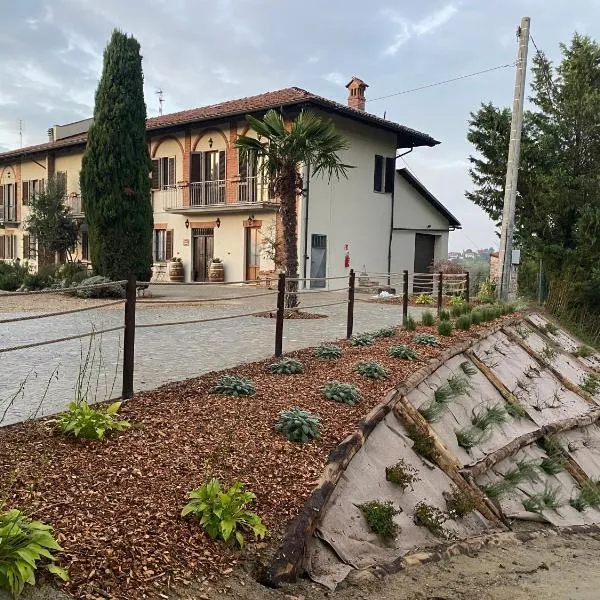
<point x="430" y="85"/>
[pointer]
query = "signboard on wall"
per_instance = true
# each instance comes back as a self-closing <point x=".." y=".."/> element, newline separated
<point x="186" y="242"/>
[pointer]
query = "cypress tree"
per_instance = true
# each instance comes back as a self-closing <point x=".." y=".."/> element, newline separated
<point x="115" y="182"/>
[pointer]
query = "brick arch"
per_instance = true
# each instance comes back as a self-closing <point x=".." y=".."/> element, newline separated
<point x="12" y="169"/>
<point x="208" y="131"/>
<point x="164" y="139"/>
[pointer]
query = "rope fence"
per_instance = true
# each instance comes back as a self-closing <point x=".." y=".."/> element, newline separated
<point x="62" y="312"/>
<point x="69" y="291"/>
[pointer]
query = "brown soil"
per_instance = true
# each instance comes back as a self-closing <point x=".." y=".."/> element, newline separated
<point x="290" y="314"/>
<point x="115" y="505"/>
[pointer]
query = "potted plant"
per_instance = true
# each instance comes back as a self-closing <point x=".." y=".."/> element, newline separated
<point x="176" y="272"/>
<point x="216" y="270"/>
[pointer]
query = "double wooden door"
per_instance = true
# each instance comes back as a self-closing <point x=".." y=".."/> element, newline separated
<point x="203" y="245"/>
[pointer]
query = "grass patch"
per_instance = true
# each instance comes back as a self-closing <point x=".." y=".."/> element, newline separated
<point x="547" y="500"/>
<point x="590" y="384"/>
<point x="444" y="315"/>
<point x="584" y="352"/>
<point x="468" y="368"/>
<point x="553" y="465"/>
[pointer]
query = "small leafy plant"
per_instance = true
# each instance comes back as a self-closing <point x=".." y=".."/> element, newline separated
<point x="427" y="318"/>
<point x="221" y="513"/>
<point x="298" y="425"/>
<point x="371" y="369"/>
<point x="489" y="417"/>
<point x="403" y="352"/>
<point x="424" y="299"/>
<point x="464" y="322"/>
<point x="551" y="328"/>
<point x="522" y="331"/>
<point x="476" y="317"/>
<point x="386" y="332"/>
<point x="590" y="384"/>
<point x="423" y="443"/>
<point x="468" y="368"/>
<point x="83" y="421"/>
<point x="444" y="315"/>
<point x="287" y="366"/>
<point x="25" y="547"/>
<point x="380" y="518"/>
<point x="546" y="500"/>
<point x="328" y="352"/>
<point x="548" y="354"/>
<point x="234" y="385"/>
<point x="552" y="465"/>
<point x="469" y="437"/>
<point x="445" y="328"/>
<point x="410" y="324"/>
<point x="587" y="497"/>
<point x="426" y="339"/>
<point x="460" y="503"/>
<point x="362" y="339"/>
<point x="584" y="352"/>
<point x="402" y="475"/>
<point x="454" y="301"/>
<point x="345" y="393"/>
<point x="432" y="519"/>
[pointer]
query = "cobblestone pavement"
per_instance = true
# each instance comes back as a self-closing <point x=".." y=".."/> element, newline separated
<point x="43" y="380"/>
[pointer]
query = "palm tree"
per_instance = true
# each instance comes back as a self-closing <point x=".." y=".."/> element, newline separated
<point x="279" y="154"/>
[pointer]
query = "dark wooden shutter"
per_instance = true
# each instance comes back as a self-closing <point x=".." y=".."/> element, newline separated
<point x="390" y="170"/>
<point x="61" y="179"/>
<point x="155" y="177"/>
<point x="377" y="179"/>
<point x="243" y="165"/>
<point x="222" y="165"/>
<point x="196" y="167"/>
<point x="25" y="198"/>
<point x="26" y="252"/>
<point x="172" y="171"/>
<point x="2" y="216"/>
<point x="2" y="246"/>
<point x="169" y="245"/>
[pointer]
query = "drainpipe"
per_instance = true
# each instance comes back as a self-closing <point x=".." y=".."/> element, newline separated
<point x="389" y="260"/>
<point x="306" y="195"/>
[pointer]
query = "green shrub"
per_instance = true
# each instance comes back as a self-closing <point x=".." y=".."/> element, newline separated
<point x="551" y="328"/>
<point x="385" y="332"/>
<point x="85" y="289"/>
<point x="427" y="318"/>
<point x="426" y="339"/>
<point x="341" y="392"/>
<point x="298" y="425"/>
<point x="328" y="352"/>
<point x="445" y="328"/>
<point x="477" y="317"/>
<point x="454" y="301"/>
<point x="410" y="324"/>
<point x="380" y="518"/>
<point x="44" y="278"/>
<point x="590" y="384"/>
<point x="25" y="547"/>
<point x="468" y="368"/>
<point x="444" y="315"/>
<point x="424" y="299"/>
<point x="83" y="421"/>
<point x="460" y="503"/>
<point x="432" y="519"/>
<point x="488" y="417"/>
<point x="587" y="497"/>
<point x="234" y="385"/>
<point x="486" y="292"/>
<point x="423" y="443"/>
<point x="371" y="369"/>
<point x="464" y="322"/>
<point x="287" y="366"/>
<point x="72" y="273"/>
<point x="546" y="500"/>
<point x="12" y="275"/>
<point x="221" y="513"/>
<point x="584" y="352"/>
<point x="402" y="475"/>
<point x="361" y="339"/>
<point x="404" y="352"/>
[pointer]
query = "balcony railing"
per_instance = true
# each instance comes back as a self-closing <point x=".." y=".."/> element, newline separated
<point x="74" y="203"/>
<point x="207" y="193"/>
<point x="252" y="189"/>
<point x="169" y="197"/>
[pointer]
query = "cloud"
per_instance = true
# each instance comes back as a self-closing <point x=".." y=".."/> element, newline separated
<point x="224" y="74"/>
<point x="409" y="29"/>
<point x="336" y="78"/>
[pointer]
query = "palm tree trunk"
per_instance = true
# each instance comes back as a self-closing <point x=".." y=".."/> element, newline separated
<point x="290" y="235"/>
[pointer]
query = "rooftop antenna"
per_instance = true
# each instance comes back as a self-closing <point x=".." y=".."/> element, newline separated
<point x="161" y="100"/>
<point x="21" y="131"/>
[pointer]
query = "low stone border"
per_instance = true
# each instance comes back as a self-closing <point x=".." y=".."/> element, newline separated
<point x="290" y="560"/>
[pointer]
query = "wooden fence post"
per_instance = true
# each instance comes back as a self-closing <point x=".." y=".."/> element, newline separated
<point x="404" y="297"/>
<point x="468" y="287"/>
<point x="129" y="338"/>
<point x="440" y="291"/>
<point x="280" y="315"/>
<point x="350" y="320"/>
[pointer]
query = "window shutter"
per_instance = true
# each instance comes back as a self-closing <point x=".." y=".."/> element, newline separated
<point x="155" y="177"/>
<point x="42" y="186"/>
<point x="26" y="252"/>
<point x="16" y="205"/>
<point x="390" y="171"/>
<point x="169" y="244"/>
<point x="172" y="171"/>
<point x="377" y="173"/>
<point x="222" y="165"/>
<point x="25" y="197"/>
<point x="61" y="178"/>
<point x="196" y="167"/>
<point x="2" y="246"/>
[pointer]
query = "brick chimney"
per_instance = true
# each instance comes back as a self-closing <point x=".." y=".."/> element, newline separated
<point x="356" y="93"/>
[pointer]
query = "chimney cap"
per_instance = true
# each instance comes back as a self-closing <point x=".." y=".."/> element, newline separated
<point x="357" y="82"/>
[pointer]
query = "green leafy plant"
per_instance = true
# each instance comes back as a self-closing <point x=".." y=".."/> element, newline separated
<point x="222" y="513"/>
<point x="486" y="292"/>
<point x="25" y="547"/>
<point x="445" y="328"/>
<point x="426" y="339"/>
<point x="590" y="384"/>
<point x="546" y="500"/>
<point x="455" y="301"/>
<point x="460" y="503"/>
<point x="380" y="518"/>
<point x="584" y="352"/>
<point x="468" y="368"/>
<point x="552" y="465"/>
<point x="423" y="443"/>
<point x="548" y="353"/>
<point x="328" y="352"/>
<point x="587" y="497"/>
<point x="444" y="315"/>
<point x="469" y="437"/>
<point x="371" y="369"/>
<point x="433" y="519"/>
<point x="551" y="328"/>
<point x="402" y="474"/>
<point x="427" y="318"/>
<point x="287" y="366"/>
<point x="345" y="393"/>
<point x="234" y="385"/>
<point x="410" y="324"/>
<point x="464" y="322"/>
<point x="386" y="332"/>
<point x="552" y="447"/>
<point x="403" y="352"/>
<point x="83" y="421"/>
<point x="298" y="425"/>
<point x="424" y="299"/>
<point x="459" y="385"/>
<point x="362" y="339"/>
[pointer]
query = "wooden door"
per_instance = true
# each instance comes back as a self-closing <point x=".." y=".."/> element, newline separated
<point x="252" y="253"/>
<point x="424" y="256"/>
<point x="202" y="252"/>
<point x="318" y="260"/>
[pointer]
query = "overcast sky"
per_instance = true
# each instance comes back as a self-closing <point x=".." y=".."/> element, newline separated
<point x="202" y="52"/>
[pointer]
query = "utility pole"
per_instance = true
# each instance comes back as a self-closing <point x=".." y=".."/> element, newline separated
<point x="512" y="167"/>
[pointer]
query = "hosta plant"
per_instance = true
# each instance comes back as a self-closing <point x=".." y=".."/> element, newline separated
<point x="287" y="366"/>
<point x="361" y="339"/>
<point x="328" y="352"/>
<point x="385" y="332"/>
<point x="380" y="518"/>
<point x="223" y="513"/>
<point x="424" y="299"/>
<point x="298" y="425"/>
<point x="426" y="339"/>
<point x="83" y="421"/>
<point x="341" y="392"/>
<point x="456" y="301"/>
<point x="25" y="547"/>
<point x="403" y="352"/>
<point x="371" y="369"/>
<point x="234" y="385"/>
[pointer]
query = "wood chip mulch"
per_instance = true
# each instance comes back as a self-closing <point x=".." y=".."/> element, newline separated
<point x="290" y="314"/>
<point x="115" y="505"/>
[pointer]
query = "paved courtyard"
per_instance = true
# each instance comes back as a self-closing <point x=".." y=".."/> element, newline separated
<point x="42" y="381"/>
